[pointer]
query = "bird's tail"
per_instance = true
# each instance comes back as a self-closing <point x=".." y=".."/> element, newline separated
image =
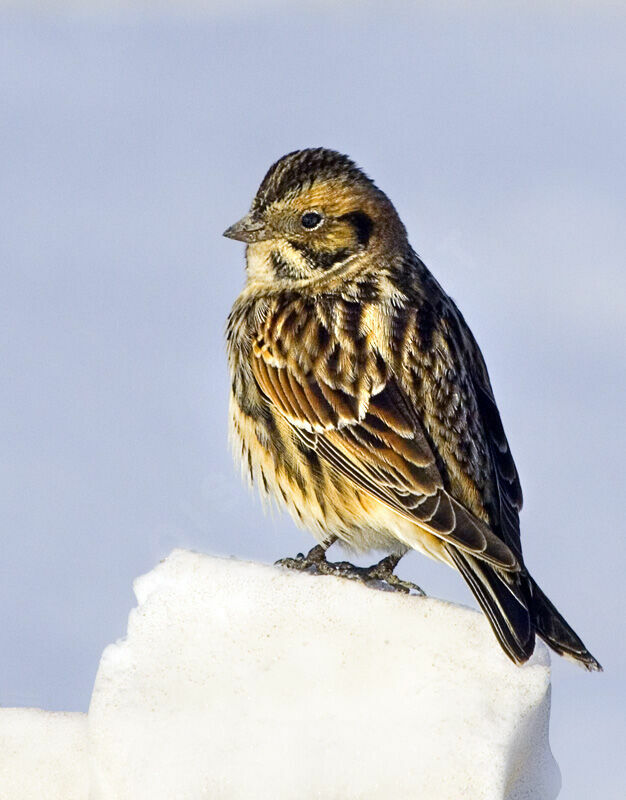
<point x="555" y="631"/>
<point x="517" y="609"/>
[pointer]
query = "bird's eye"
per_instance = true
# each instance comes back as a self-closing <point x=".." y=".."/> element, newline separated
<point x="311" y="219"/>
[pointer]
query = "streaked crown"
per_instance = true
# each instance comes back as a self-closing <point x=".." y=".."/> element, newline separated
<point x="299" y="170"/>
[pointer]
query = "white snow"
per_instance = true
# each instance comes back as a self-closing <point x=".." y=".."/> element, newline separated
<point x="43" y="755"/>
<point x="238" y="680"/>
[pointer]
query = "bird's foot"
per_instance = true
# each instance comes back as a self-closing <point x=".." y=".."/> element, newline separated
<point x="303" y="562"/>
<point x="383" y="572"/>
<point x="315" y="563"/>
<point x="379" y="576"/>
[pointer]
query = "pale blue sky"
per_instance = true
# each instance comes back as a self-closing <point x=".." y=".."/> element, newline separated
<point x="130" y="141"/>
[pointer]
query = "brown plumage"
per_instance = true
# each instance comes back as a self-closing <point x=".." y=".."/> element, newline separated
<point x="361" y="400"/>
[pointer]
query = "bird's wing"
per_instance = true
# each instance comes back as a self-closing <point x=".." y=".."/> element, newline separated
<point x="359" y="422"/>
<point x="508" y="489"/>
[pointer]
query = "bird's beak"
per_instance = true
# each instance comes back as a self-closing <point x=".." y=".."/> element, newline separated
<point x="249" y="229"/>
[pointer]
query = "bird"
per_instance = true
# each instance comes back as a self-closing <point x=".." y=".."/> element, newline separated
<point x="360" y="400"/>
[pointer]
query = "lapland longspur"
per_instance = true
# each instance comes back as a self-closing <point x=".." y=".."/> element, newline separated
<point x="361" y="400"/>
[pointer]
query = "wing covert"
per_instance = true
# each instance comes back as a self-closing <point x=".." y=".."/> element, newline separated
<point x="508" y="488"/>
<point x="373" y="438"/>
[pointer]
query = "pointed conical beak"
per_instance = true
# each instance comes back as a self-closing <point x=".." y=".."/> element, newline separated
<point x="249" y="229"/>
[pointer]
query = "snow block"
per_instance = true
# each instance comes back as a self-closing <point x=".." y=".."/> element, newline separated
<point x="238" y="680"/>
<point x="43" y="755"/>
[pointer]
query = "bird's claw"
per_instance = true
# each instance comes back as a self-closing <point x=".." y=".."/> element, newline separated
<point x="378" y="576"/>
<point x="304" y="562"/>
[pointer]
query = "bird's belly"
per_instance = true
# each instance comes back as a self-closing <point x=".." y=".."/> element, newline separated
<point x="321" y="500"/>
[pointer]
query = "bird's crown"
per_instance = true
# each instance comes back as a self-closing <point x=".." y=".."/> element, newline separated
<point x="302" y="168"/>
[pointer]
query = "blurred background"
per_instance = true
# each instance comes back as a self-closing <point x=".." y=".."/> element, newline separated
<point x="132" y="135"/>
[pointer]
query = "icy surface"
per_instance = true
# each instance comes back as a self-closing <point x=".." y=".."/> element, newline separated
<point x="43" y="755"/>
<point x="238" y="680"/>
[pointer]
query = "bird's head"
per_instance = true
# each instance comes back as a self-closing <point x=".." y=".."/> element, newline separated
<point x="315" y="210"/>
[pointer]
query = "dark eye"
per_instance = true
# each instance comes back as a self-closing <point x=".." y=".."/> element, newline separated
<point x="311" y="219"/>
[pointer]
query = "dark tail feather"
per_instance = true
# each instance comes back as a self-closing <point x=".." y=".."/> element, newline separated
<point x="501" y="597"/>
<point x="517" y="609"/>
<point x="555" y="631"/>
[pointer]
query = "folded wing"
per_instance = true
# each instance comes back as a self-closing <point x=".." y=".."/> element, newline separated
<point x="368" y="432"/>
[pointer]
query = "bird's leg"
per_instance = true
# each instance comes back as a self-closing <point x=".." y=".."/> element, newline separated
<point x="383" y="571"/>
<point x="380" y="574"/>
<point x="315" y="562"/>
<point x="315" y="557"/>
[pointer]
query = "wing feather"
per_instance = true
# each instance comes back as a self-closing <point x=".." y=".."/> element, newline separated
<point x="507" y="483"/>
<point x="378" y="445"/>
